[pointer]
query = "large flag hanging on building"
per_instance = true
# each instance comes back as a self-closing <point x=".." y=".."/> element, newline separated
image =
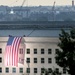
<point x="11" y="51"/>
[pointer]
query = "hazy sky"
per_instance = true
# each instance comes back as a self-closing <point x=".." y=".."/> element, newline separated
<point x="35" y="2"/>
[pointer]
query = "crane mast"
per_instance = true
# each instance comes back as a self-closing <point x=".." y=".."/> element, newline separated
<point x="20" y="9"/>
<point x="53" y="11"/>
<point x="27" y="11"/>
<point x="72" y="3"/>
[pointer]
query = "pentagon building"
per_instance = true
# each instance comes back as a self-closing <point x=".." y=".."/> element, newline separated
<point x="40" y="39"/>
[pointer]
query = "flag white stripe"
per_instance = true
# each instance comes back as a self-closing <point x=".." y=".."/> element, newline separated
<point x="17" y="48"/>
<point x="14" y="48"/>
<point x="14" y="51"/>
<point x="11" y="53"/>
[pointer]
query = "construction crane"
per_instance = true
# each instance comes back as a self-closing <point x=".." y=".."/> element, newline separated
<point x="53" y="11"/>
<point x="27" y="10"/>
<point x="72" y="3"/>
<point x="23" y="3"/>
<point x="12" y="10"/>
<point x="21" y="8"/>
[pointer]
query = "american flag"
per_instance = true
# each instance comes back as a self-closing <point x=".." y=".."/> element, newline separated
<point x="11" y="51"/>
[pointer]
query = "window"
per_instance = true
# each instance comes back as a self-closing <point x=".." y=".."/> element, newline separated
<point x="28" y="51"/>
<point x="35" y="70"/>
<point x="56" y="51"/>
<point x="28" y="70"/>
<point x="21" y="51"/>
<point x="57" y="70"/>
<point x="64" y="71"/>
<point x="14" y="70"/>
<point x="28" y="60"/>
<point x="35" y="60"/>
<point x="42" y="51"/>
<point x="42" y="60"/>
<point x="49" y="70"/>
<point x="0" y="50"/>
<point x="56" y="60"/>
<point x="35" y="51"/>
<point x="0" y="59"/>
<point x="0" y="69"/>
<point x="49" y="51"/>
<point x="7" y="70"/>
<point x="42" y="70"/>
<point x="49" y="60"/>
<point x="21" y="70"/>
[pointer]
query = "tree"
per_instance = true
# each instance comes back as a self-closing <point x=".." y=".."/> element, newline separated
<point x="46" y="72"/>
<point x="52" y="72"/>
<point x="66" y="54"/>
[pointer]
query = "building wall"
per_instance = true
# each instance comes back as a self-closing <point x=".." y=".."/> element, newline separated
<point x="32" y="43"/>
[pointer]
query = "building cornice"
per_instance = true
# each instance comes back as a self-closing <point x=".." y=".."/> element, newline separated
<point x="38" y="25"/>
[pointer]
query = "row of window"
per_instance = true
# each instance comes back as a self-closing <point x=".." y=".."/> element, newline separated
<point x="36" y="60"/>
<point x="35" y="51"/>
<point x="28" y="70"/>
<point x="13" y="70"/>
<point x="42" y="60"/>
<point x="42" y="51"/>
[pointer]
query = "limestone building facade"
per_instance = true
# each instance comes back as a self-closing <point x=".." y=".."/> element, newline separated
<point x="40" y="47"/>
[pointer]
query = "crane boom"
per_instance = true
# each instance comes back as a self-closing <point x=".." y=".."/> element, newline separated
<point x="23" y="3"/>
<point x="53" y="11"/>
<point x="53" y="6"/>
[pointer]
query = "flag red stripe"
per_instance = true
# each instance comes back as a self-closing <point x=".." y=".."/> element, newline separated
<point x="16" y="51"/>
<point x="11" y="53"/>
<point x="14" y="48"/>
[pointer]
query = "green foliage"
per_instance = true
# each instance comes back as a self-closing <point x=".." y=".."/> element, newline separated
<point x="46" y="72"/>
<point x="53" y="72"/>
<point x="72" y="33"/>
<point x="66" y="56"/>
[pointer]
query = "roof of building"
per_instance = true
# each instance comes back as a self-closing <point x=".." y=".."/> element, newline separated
<point x="39" y="25"/>
<point x="34" y="28"/>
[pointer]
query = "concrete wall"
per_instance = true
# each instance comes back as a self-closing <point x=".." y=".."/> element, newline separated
<point x="33" y="42"/>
